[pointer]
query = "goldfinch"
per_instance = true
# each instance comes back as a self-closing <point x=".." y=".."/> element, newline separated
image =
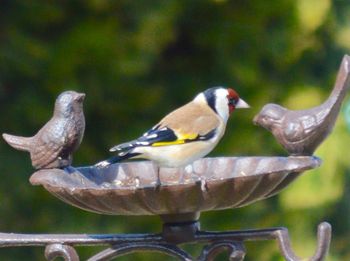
<point x="186" y="134"/>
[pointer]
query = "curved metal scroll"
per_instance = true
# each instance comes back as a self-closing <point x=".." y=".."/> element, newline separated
<point x="236" y="249"/>
<point x="128" y="248"/>
<point x="59" y="250"/>
<point x="122" y="244"/>
<point x="324" y="234"/>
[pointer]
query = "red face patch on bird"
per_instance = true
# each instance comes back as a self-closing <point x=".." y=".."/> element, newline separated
<point x="233" y="98"/>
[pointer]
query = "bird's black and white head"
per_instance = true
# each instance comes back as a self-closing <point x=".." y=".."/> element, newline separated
<point x="222" y="100"/>
<point x="270" y="116"/>
<point x="68" y="103"/>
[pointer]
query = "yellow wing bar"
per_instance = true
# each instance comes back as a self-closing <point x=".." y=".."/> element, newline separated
<point x="181" y="139"/>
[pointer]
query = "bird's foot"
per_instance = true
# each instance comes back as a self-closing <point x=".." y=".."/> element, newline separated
<point x="158" y="184"/>
<point x="198" y="178"/>
<point x="137" y="182"/>
<point x="203" y="184"/>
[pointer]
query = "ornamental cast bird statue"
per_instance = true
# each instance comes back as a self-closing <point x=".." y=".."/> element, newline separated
<point x="300" y="132"/>
<point x="54" y="143"/>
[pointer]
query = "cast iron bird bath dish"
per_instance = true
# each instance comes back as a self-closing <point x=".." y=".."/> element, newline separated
<point x="208" y="184"/>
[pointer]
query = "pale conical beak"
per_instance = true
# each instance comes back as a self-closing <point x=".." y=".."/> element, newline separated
<point x="242" y="104"/>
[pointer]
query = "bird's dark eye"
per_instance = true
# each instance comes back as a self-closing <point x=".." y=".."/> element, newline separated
<point x="232" y="101"/>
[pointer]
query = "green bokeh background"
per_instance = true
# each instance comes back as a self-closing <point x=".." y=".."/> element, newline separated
<point x="138" y="60"/>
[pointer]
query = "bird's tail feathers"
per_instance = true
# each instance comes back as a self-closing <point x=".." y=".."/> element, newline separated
<point x="18" y="142"/>
<point x="115" y="159"/>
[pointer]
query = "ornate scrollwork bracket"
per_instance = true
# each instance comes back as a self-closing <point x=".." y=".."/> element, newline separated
<point x="236" y="250"/>
<point x="122" y="244"/>
<point x="53" y="251"/>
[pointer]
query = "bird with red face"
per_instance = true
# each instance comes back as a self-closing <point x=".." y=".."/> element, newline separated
<point x="186" y="134"/>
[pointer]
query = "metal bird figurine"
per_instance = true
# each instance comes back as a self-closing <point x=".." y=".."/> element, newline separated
<point x="54" y="143"/>
<point x="300" y="132"/>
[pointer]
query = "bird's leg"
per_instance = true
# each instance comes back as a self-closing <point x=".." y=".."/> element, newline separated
<point x="158" y="182"/>
<point x="203" y="182"/>
<point x="199" y="178"/>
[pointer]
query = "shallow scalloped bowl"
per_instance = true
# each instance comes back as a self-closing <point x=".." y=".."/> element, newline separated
<point x="208" y="184"/>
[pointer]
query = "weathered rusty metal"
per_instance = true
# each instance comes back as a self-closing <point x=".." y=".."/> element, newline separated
<point x="52" y="146"/>
<point x="236" y="250"/>
<point x="208" y="184"/>
<point x="300" y="132"/>
<point x="59" y="250"/>
<point x="122" y="244"/>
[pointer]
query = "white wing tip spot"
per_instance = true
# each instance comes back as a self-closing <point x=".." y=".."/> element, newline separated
<point x="102" y="164"/>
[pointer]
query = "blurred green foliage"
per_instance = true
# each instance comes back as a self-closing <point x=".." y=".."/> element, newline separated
<point x="138" y="60"/>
